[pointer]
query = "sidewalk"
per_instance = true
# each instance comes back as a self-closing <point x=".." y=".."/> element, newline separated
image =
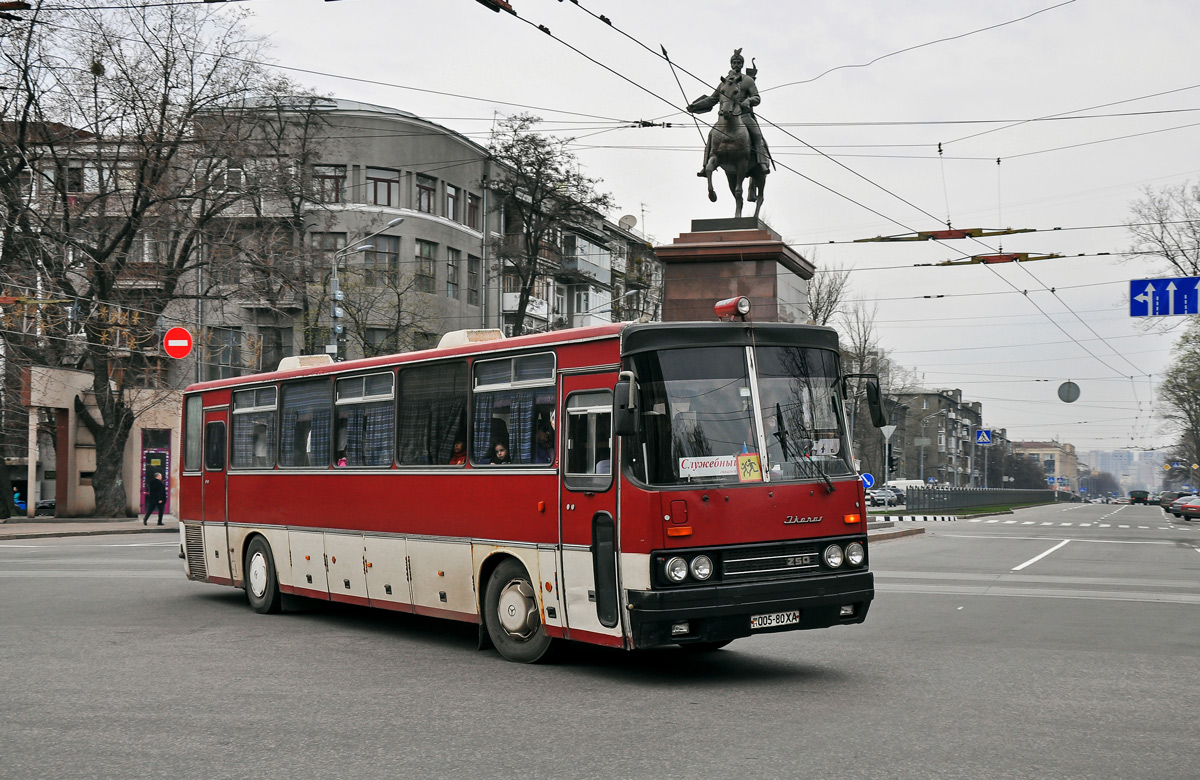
<point x="45" y="527"/>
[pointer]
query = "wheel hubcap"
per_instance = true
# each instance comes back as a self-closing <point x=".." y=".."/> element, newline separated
<point x="258" y="574"/>
<point x="517" y="610"/>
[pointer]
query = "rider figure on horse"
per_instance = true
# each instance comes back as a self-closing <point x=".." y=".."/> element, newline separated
<point x="741" y="89"/>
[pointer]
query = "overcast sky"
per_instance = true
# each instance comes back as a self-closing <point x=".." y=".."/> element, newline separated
<point x="857" y="121"/>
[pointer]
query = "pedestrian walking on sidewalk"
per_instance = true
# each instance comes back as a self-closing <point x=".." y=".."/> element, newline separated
<point x="156" y="498"/>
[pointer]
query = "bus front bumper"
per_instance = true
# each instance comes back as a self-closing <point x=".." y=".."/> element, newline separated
<point x="722" y="612"/>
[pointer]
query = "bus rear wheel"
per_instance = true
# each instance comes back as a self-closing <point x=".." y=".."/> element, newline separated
<point x="262" y="586"/>
<point x="512" y="616"/>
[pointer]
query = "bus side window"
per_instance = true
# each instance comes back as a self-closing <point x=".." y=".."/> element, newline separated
<point x="214" y="446"/>
<point x="305" y="423"/>
<point x="589" y="440"/>
<point x="433" y="404"/>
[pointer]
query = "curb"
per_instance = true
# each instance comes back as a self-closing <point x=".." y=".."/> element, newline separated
<point x="53" y="533"/>
<point x="893" y="533"/>
<point x="916" y="518"/>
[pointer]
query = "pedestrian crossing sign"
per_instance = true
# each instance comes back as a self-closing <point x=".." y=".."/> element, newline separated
<point x="983" y="436"/>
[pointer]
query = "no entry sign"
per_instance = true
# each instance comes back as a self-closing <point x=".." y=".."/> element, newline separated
<point x="178" y="343"/>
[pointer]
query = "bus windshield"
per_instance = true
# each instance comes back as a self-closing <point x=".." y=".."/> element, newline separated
<point x="700" y="414"/>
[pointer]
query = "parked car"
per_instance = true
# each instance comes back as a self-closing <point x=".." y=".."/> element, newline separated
<point x="1190" y="508"/>
<point x="895" y="491"/>
<point x="44" y="508"/>
<point x="880" y="497"/>
<point x="1176" y="507"/>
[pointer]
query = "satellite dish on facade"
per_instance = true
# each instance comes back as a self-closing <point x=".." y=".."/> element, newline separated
<point x="627" y="222"/>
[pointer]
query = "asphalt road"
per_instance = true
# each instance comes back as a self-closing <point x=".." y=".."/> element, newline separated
<point x="992" y="651"/>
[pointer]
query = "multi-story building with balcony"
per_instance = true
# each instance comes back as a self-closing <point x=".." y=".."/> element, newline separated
<point x="396" y="208"/>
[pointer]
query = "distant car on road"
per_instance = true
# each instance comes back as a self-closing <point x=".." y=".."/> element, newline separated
<point x="881" y="497"/>
<point x="1167" y="497"/>
<point x="1139" y="496"/>
<point x="1190" y="508"/>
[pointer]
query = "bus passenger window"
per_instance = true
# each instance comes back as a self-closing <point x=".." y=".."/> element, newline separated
<point x="433" y="407"/>
<point x="252" y="427"/>
<point x="365" y="424"/>
<point x="512" y="399"/>
<point x="305" y="424"/>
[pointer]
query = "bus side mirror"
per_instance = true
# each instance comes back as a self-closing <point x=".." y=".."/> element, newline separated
<point x="879" y="416"/>
<point x="625" y="416"/>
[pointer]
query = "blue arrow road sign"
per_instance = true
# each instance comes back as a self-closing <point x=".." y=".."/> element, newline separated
<point x="983" y="436"/>
<point x="1164" y="297"/>
<point x="868" y="481"/>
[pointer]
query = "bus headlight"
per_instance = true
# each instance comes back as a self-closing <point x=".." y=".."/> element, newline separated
<point x="702" y="567"/>
<point x="855" y="554"/>
<point x="676" y="569"/>
<point x="833" y="556"/>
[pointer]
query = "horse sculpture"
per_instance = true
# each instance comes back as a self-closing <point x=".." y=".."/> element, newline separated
<point x="730" y="149"/>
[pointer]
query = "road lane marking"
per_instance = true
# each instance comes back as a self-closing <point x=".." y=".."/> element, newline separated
<point x="1042" y="593"/>
<point x="1037" y="558"/>
<point x="1043" y="538"/>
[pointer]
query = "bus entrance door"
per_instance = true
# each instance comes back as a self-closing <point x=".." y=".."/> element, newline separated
<point x="588" y="527"/>
<point x="213" y="494"/>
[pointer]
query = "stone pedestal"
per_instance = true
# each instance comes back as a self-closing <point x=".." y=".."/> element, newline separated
<point x="722" y="258"/>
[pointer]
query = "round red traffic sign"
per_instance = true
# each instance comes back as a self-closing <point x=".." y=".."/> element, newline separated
<point x="178" y="342"/>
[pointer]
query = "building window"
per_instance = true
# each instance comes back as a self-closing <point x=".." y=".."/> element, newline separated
<point x="224" y="349"/>
<point x="328" y="183"/>
<point x="453" y="203"/>
<point x="380" y="341"/>
<point x="473" y="211"/>
<point x="473" y="280"/>
<point x="383" y="187"/>
<point x="231" y="179"/>
<point x="382" y="262"/>
<point x="277" y="343"/>
<point x="73" y="180"/>
<point x="426" y="193"/>
<point x="426" y="266"/>
<point x="453" y="261"/>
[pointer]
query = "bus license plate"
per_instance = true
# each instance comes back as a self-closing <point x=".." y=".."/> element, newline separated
<point x="774" y="619"/>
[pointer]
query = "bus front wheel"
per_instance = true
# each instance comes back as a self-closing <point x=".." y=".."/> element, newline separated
<point x="512" y="616"/>
<point x="262" y="586"/>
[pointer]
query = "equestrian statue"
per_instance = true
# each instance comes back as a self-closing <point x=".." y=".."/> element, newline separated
<point x="735" y="142"/>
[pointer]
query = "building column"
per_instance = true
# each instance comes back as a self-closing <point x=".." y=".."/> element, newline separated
<point x="31" y="483"/>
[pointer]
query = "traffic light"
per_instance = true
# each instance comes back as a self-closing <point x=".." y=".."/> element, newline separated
<point x="893" y="460"/>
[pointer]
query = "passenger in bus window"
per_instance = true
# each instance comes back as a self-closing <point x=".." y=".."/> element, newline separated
<point x="543" y="446"/>
<point x="458" y="455"/>
<point x="500" y="454"/>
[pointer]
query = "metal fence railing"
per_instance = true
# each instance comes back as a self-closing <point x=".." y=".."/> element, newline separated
<point x="942" y="499"/>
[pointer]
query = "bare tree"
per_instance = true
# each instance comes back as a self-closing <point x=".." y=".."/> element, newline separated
<point x="1166" y="226"/>
<point x="827" y="292"/>
<point x="384" y="309"/>
<point x="541" y="191"/>
<point x="1179" y="395"/>
<point x="131" y="133"/>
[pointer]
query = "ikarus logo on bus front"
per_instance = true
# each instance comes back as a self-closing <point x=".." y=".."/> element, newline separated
<point x="797" y="519"/>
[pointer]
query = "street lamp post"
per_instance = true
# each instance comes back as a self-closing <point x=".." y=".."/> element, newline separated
<point x="335" y="292"/>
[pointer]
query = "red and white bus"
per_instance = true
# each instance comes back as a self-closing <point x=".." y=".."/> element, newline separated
<point x="665" y="483"/>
